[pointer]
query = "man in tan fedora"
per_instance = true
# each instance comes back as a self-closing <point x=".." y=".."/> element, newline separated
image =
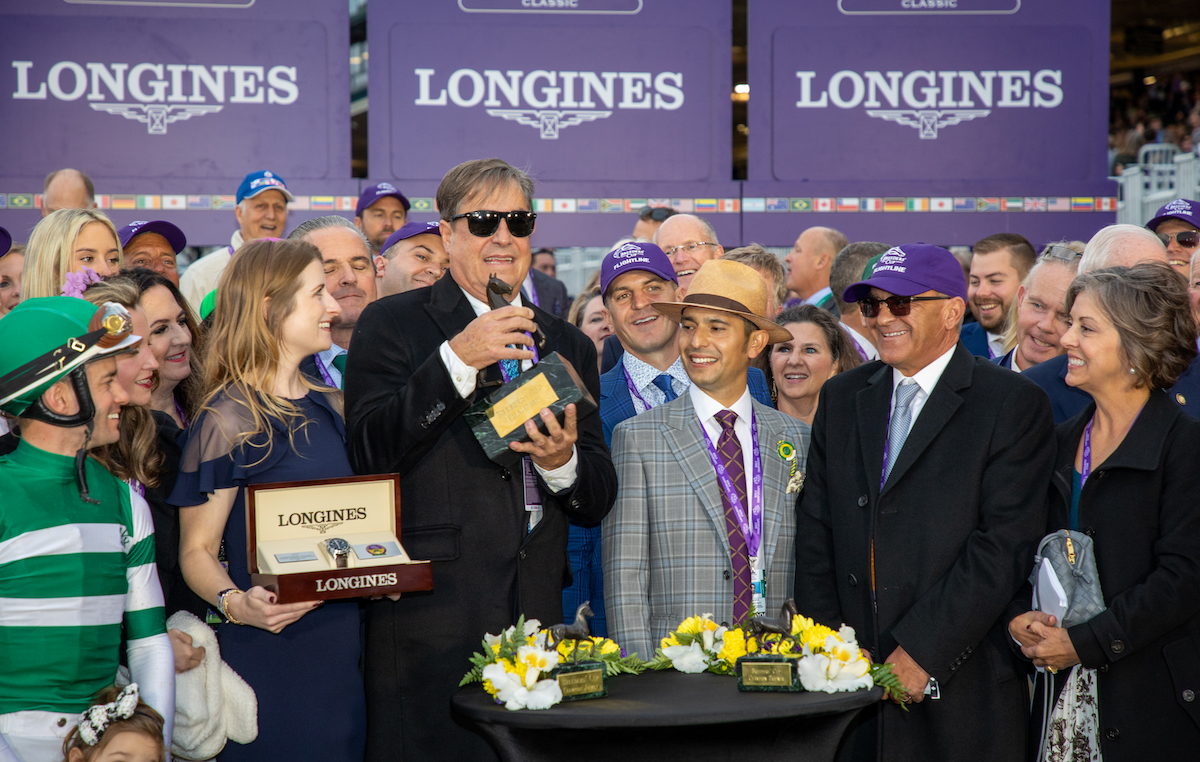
<point x="703" y="521"/>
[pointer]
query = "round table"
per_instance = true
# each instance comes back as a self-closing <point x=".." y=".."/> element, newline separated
<point x="664" y="715"/>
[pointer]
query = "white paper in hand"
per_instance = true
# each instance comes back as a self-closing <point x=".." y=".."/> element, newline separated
<point x="1049" y="596"/>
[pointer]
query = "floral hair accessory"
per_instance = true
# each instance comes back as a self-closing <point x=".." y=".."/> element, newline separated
<point x="97" y="718"/>
<point x="78" y="282"/>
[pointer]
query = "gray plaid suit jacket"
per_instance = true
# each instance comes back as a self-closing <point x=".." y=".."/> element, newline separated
<point x="665" y="549"/>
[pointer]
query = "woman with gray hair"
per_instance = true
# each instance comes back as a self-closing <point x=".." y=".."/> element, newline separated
<point x="1126" y="476"/>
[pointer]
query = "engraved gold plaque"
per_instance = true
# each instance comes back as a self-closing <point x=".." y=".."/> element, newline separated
<point x="523" y="404"/>
<point x="767" y="674"/>
<point x="579" y="683"/>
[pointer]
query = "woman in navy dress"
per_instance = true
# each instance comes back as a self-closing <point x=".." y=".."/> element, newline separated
<point x="263" y="422"/>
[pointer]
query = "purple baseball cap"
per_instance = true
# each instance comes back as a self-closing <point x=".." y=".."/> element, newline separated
<point x="174" y="235"/>
<point x="635" y="255"/>
<point x="1180" y="209"/>
<point x="376" y="192"/>
<point x="258" y="182"/>
<point x="409" y="230"/>
<point x="5" y="241"/>
<point x="912" y="269"/>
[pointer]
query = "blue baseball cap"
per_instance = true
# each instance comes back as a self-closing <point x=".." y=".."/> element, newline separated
<point x="5" y="241"/>
<point x="377" y="191"/>
<point x="912" y="269"/>
<point x="174" y="235"/>
<point x="1180" y="209"/>
<point x="257" y="182"/>
<point x="635" y="255"/>
<point x="408" y="231"/>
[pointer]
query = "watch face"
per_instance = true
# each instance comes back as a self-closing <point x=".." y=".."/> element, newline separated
<point x="336" y="545"/>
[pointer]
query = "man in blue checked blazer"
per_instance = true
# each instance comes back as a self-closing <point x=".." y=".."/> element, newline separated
<point x="703" y="522"/>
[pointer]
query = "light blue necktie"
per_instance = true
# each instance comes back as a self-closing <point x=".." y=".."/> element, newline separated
<point x="663" y="382"/>
<point x="901" y="420"/>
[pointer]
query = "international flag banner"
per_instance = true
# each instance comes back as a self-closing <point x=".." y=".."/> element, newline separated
<point x="347" y="203"/>
<point x="229" y="202"/>
<point x="727" y="205"/>
<point x="174" y="202"/>
<point x="894" y="205"/>
<point x="564" y="204"/>
<point x="847" y="205"/>
<point x="612" y="204"/>
<point x="1012" y="205"/>
<point x="102" y="201"/>
<point x="823" y="204"/>
<point x="915" y="205"/>
<point x="124" y="202"/>
<point x="20" y="201"/>
<point x="754" y="205"/>
<point x="543" y="205"/>
<point x="964" y="204"/>
<point x="1058" y="204"/>
<point x="301" y="204"/>
<point x="149" y="202"/>
<point x="1083" y="204"/>
<point x="634" y="204"/>
<point x="320" y="203"/>
<point x="3" y="200"/>
<point x="941" y="204"/>
<point x="987" y="204"/>
<point x="776" y="204"/>
<point x="805" y="205"/>
<point x="199" y="202"/>
<point x="705" y="205"/>
<point x="656" y="202"/>
<point x="871" y="204"/>
<point x="587" y="204"/>
<point x="1035" y="203"/>
<point x="1106" y="204"/>
<point x="422" y="204"/>
<point x="683" y="205"/>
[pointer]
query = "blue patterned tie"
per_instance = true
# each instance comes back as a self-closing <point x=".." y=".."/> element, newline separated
<point x="511" y="369"/>
<point x="901" y="421"/>
<point x="663" y="382"/>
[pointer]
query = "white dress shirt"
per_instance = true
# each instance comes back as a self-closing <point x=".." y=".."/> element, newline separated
<point x="325" y="360"/>
<point x="707" y="409"/>
<point x="464" y="376"/>
<point x="926" y="378"/>
<point x="866" y="346"/>
<point x="202" y="276"/>
<point x="995" y="343"/>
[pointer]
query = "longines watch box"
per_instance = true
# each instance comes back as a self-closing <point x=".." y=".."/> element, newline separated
<point x="330" y="538"/>
<point x="500" y="418"/>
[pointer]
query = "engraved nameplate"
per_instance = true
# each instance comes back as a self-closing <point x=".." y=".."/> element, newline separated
<point x="523" y="404"/>
<point x="767" y="674"/>
<point x="579" y="683"/>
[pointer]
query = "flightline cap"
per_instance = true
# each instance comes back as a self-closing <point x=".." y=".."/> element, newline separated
<point x="44" y="339"/>
<point x="912" y="269"/>
<point x="257" y="182"/>
<point x="635" y="255"/>
<point x="377" y="191"/>
<point x="5" y="241"/>
<point x="408" y="231"/>
<point x="1180" y="209"/>
<point x="174" y="235"/>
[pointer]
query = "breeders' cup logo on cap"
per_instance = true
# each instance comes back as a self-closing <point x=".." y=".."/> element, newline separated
<point x="892" y="261"/>
<point x="934" y="99"/>
<point x="557" y="99"/>
<point x="629" y="254"/>
<point x="265" y="180"/>
<point x="386" y="188"/>
<point x="164" y="93"/>
<point x="1178" y="206"/>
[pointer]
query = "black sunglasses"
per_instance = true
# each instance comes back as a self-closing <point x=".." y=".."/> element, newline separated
<point x="484" y="223"/>
<point x="656" y="213"/>
<point x="898" y="305"/>
<point x="1054" y="251"/>
<point x="1187" y="239"/>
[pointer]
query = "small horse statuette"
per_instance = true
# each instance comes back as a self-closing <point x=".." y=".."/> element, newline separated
<point x="577" y="631"/>
<point x="761" y="625"/>
<point x="496" y="291"/>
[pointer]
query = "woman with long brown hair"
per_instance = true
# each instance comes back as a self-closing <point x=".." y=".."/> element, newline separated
<point x="262" y="421"/>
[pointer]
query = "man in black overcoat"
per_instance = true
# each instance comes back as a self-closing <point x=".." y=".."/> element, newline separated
<point x="419" y="360"/>
<point x="920" y="514"/>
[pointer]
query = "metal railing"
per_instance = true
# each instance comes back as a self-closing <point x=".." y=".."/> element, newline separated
<point x="1143" y="188"/>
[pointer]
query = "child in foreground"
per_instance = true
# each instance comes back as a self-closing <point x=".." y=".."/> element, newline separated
<point x="117" y="726"/>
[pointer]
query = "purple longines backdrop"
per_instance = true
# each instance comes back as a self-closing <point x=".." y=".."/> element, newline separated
<point x="938" y="120"/>
<point x="600" y="100"/>
<point x="167" y="104"/>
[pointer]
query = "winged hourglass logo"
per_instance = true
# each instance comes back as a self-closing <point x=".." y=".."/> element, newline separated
<point x="928" y="122"/>
<point x="548" y="121"/>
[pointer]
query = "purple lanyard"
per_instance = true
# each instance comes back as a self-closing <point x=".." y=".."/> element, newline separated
<point x="1087" y="454"/>
<point x="179" y="412"/>
<point x="633" y="391"/>
<point x="751" y="530"/>
<point x="325" y="372"/>
<point x="137" y="486"/>
<point x="533" y="297"/>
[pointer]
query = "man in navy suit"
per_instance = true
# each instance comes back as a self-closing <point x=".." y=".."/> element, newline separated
<point x="999" y="264"/>
<point x="1112" y="246"/>
<point x="633" y="277"/>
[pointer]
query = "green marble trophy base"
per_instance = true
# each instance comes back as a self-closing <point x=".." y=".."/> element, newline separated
<point x="499" y="419"/>
<point x="581" y="680"/>
<point x="768" y="673"/>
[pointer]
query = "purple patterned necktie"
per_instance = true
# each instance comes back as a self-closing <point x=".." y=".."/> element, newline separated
<point x="730" y="451"/>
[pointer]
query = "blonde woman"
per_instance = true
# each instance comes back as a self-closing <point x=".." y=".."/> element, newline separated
<point x="263" y="421"/>
<point x="65" y="242"/>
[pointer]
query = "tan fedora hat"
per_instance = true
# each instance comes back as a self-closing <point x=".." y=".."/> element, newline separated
<point x="730" y="287"/>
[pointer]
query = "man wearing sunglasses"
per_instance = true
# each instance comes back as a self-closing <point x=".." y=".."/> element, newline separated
<point x="1177" y="225"/>
<point x="924" y="499"/>
<point x="497" y="535"/>
<point x="650" y="218"/>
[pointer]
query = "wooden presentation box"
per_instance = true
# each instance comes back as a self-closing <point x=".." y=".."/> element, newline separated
<point x="289" y="523"/>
